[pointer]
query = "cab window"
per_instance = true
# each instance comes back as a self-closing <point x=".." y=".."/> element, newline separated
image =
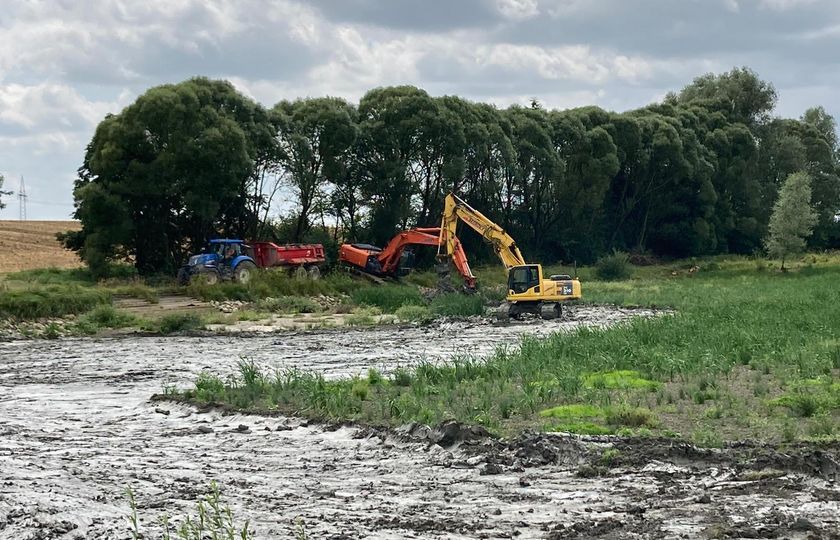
<point x="523" y="278"/>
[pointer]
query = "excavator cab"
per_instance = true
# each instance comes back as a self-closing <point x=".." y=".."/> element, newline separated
<point x="523" y="278"/>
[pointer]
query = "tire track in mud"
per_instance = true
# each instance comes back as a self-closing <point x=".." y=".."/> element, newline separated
<point x="76" y="427"/>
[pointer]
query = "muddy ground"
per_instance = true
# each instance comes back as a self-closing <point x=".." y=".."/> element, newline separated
<point x="77" y="426"/>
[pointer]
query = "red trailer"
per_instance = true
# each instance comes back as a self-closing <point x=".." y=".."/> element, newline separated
<point x="299" y="257"/>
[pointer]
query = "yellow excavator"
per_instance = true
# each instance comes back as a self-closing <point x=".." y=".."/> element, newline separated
<point x="528" y="290"/>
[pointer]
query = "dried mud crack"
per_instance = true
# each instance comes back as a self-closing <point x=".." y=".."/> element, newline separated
<point x="77" y="426"/>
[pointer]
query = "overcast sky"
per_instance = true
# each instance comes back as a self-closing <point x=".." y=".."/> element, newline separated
<point x="64" y="64"/>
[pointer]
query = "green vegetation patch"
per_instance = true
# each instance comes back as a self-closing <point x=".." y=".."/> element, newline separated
<point x="614" y="267"/>
<point x="177" y="322"/>
<point x="811" y="397"/>
<point x="417" y="314"/>
<point x="458" y="305"/>
<point x="576" y="410"/>
<point x="104" y="316"/>
<point x="289" y="304"/>
<point x="388" y="298"/>
<point x="619" y="380"/>
<point x="50" y="301"/>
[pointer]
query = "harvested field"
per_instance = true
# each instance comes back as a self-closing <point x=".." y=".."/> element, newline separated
<point x="25" y="245"/>
<point x="77" y="426"/>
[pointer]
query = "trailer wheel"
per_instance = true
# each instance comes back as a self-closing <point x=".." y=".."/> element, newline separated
<point x="244" y="272"/>
<point x="299" y="272"/>
<point x="314" y="273"/>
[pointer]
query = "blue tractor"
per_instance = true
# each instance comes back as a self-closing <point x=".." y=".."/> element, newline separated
<point x="222" y="259"/>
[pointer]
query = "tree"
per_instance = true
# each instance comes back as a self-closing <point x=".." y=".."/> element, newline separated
<point x="793" y="218"/>
<point x="169" y="171"/>
<point x="394" y="124"/>
<point x="824" y="123"/>
<point x="3" y="193"/>
<point x="739" y="94"/>
<point x="314" y="136"/>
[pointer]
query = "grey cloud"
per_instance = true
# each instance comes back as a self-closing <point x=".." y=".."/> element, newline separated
<point x="65" y="64"/>
<point x="411" y="15"/>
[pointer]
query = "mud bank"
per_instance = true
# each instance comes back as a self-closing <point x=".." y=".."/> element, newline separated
<point x="76" y="427"/>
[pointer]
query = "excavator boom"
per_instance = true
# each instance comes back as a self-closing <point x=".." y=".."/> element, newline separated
<point x="456" y="209"/>
<point x="386" y="262"/>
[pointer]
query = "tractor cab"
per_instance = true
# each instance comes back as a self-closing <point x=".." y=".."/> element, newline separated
<point x="221" y="259"/>
<point x="226" y="250"/>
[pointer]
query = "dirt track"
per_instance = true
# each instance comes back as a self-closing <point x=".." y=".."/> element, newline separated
<point x="76" y="427"/>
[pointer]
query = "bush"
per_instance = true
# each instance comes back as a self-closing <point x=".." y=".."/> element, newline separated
<point x="614" y="267"/>
<point x="418" y="314"/>
<point x="179" y="322"/>
<point x="104" y="317"/>
<point x="388" y="298"/>
<point x="367" y="316"/>
<point x="289" y="304"/>
<point x="458" y="305"/>
<point x="631" y="417"/>
<point x="54" y="301"/>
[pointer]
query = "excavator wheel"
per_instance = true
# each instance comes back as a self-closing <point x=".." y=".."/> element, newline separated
<point x="503" y="313"/>
<point x="550" y="310"/>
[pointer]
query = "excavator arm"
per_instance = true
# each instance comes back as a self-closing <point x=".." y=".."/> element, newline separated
<point x="390" y="256"/>
<point x="456" y="209"/>
<point x="386" y="262"/>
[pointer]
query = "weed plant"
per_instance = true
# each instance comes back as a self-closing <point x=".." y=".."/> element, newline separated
<point x="213" y="520"/>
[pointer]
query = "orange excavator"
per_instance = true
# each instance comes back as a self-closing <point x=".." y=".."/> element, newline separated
<point x="394" y="260"/>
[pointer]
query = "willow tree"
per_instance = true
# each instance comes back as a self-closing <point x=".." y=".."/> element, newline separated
<point x="793" y="218"/>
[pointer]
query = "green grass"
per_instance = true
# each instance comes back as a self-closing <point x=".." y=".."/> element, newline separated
<point x="728" y="322"/>
<point x="458" y="305"/>
<point x="274" y="283"/>
<point x="176" y="323"/>
<point x="50" y="301"/>
<point x="619" y="379"/>
<point x="412" y="313"/>
<point x="104" y="317"/>
<point x="289" y="304"/>
<point x="388" y="298"/>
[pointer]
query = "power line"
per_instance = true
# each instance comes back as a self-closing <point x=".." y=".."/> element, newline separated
<point x="22" y="196"/>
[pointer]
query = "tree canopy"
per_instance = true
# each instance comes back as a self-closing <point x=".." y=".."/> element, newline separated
<point x="698" y="173"/>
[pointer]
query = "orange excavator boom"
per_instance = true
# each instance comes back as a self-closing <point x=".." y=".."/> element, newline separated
<point x="386" y="261"/>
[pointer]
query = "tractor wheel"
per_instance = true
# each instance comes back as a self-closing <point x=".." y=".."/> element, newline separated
<point x="314" y="273"/>
<point x="208" y="278"/>
<point x="299" y="272"/>
<point x="244" y="272"/>
<point x="184" y="276"/>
